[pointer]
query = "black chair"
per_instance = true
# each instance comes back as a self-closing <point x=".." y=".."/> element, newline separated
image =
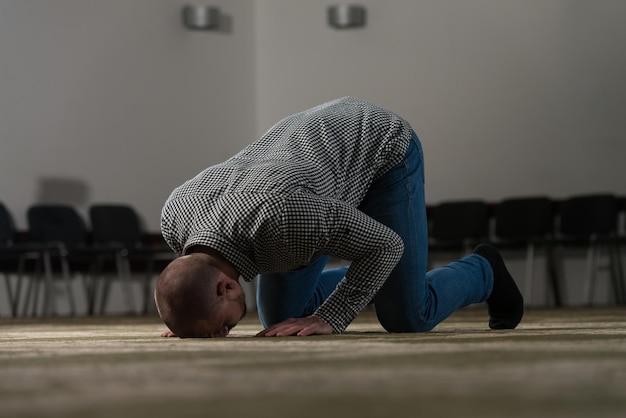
<point x="61" y="228"/>
<point x="458" y="226"/>
<point x="591" y="222"/>
<point x="119" y="226"/>
<point x="528" y="223"/>
<point x="14" y="257"/>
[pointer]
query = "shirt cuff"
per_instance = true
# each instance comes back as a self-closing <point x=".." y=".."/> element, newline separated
<point x="342" y="307"/>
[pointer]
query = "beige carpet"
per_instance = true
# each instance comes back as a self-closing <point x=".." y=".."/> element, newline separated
<point x="558" y="363"/>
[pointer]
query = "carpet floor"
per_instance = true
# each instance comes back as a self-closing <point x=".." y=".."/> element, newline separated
<point x="557" y="363"/>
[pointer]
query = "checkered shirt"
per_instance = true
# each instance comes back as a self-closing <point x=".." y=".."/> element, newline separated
<point x="293" y="195"/>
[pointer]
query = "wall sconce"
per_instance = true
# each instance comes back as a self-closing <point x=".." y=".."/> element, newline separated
<point x="346" y="16"/>
<point x="198" y="17"/>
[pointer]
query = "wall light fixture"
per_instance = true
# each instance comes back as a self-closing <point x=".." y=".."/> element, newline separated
<point x="200" y="17"/>
<point x="346" y="16"/>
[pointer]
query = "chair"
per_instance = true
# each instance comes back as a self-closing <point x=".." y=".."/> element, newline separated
<point x="526" y="223"/>
<point x="458" y="225"/>
<point x="119" y="226"/>
<point x="591" y="221"/>
<point x="14" y="256"/>
<point x="61" y="228"/>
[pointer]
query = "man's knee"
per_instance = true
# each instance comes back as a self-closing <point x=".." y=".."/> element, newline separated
<point x="402" y="324"/>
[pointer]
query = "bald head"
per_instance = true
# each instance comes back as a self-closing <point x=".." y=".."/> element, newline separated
<point x="184" y="295"/>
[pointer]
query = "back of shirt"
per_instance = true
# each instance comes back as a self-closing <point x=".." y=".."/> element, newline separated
<point x="333" y="150"/>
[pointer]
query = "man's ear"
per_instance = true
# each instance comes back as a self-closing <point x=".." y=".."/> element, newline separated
<point x="221" y="287"/>
<point x="225" y="286"/>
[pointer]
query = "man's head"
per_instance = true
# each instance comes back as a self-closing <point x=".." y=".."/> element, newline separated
<point x="195" y="298"/>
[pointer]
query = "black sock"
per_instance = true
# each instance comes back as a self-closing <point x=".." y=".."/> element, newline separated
<point x="505" y="304"/>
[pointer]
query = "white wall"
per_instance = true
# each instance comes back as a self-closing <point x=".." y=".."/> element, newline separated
<point x="114" y="101"/>
<point x="509" y="97"/>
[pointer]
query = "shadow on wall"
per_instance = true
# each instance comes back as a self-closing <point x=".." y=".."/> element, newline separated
<point x="57" y="190"/>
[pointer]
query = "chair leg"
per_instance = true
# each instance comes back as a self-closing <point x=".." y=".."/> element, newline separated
<point x="554" y="273"/>
<point x="12" y="298"/>
<point x="33" y="280"/>
<point x="36" y="294"/>
<point x="49" y="305"/>
<point x="9" y="291"/>
<point x="91" y="285"/>
<point x="124" y="273"/>
<point x="65" y="267"/>
<point x="15" y="294"/>
<point x="530" y="267"/>
<point x="106" y="287"/>
<point x="147" y="286"/>
<point x="588" y="287"/>
<point x="18" y="286"/>
<point x="28" y="294"/>
<point x="617" y="274"/>
<point x="593" y="265"/>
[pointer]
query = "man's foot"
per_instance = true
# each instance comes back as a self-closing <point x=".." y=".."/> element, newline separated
<point x="505" y="304"/>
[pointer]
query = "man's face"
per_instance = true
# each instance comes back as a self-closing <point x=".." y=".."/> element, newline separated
<point x="225" y="314"/>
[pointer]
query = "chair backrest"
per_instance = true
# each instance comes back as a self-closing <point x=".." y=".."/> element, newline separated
<point x="56" y="223"/>
<point x="459" y="220"/>
<point x="115" y="224"/>
<point x="7" y="228"/>
<point x="524" y="218"/>
<point x="589" y="215"/>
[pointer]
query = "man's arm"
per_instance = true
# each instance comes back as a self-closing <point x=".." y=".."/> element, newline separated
<point x="373" y="250"/>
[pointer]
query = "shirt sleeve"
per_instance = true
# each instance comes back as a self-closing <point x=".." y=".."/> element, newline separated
<point x="171" y="233"/>
<point x="373" y="249"/>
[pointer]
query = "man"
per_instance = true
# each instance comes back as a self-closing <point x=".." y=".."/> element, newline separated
<point x="343" y="179"/>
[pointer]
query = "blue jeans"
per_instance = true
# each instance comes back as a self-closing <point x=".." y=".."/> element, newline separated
<point x="411" y="300"/>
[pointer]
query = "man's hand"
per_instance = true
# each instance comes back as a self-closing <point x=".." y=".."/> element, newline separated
<point x="168" y="334"/>
<point x="311" y="325"/>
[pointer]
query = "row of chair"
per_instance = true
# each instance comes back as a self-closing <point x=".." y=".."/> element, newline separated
<point x="58" y="241"/>
<point x="586" y="221"/>
<point x="58" y="237"/>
